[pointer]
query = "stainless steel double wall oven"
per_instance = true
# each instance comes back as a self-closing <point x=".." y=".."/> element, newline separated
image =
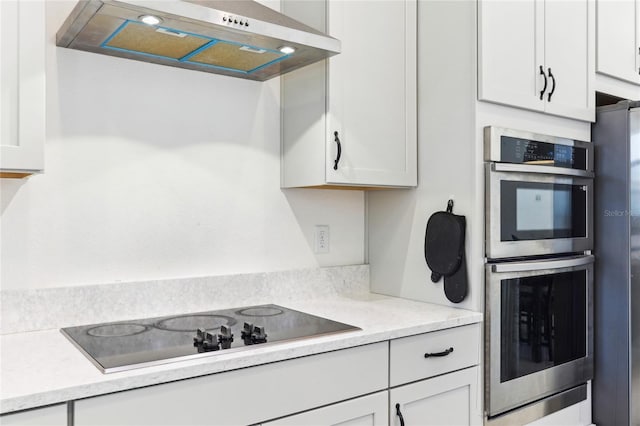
<point x="539" y="274"/>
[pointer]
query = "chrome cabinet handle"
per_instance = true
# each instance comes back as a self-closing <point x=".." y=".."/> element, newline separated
<point x="399" y="414"/>
<point x="337" y="141"/>
<point x="553" y="87"/>
<point x="439" y="354"/>
<point x="544" y="89"/>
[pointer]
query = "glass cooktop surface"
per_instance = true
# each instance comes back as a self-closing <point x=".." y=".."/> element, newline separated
<point x="124" y="345"/>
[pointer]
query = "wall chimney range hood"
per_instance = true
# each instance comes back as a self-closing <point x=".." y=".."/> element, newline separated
<point x="238" y="38"/>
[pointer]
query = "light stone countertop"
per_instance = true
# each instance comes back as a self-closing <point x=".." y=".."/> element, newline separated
<point x="42" y="367"/>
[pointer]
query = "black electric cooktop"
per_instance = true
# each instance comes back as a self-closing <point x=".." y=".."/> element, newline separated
<point x="124" y="345"/>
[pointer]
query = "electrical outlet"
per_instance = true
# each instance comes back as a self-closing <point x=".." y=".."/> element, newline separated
<point x="321" y="240"/>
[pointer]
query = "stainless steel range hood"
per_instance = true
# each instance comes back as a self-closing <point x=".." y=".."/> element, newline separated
<point x="238" y="38"/>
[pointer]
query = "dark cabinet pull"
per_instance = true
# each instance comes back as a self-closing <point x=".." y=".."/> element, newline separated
<point x="399" y="414"/>
<point x="544" y="89"/>
<point x="443" y="353"/>
<point x="553" y="87"/>
<point x="337" y="140"/>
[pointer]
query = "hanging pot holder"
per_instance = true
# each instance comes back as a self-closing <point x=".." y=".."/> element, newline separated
<point x="444" y="252"/>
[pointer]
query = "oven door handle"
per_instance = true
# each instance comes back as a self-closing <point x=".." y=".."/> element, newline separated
<point x="530" y="168"/>
<point x="567" y="262"/>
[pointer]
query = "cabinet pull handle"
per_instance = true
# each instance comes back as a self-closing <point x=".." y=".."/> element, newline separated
<point x="544" y="89"/>
<point x="553" y="87"/>
<point x="399" y="414"/>
<point x="443" y="353"/>
<point x="337" y="140"/>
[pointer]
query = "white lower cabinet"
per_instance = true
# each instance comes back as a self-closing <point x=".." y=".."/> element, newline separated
<point x="55" y="415"/>
<point x="246" y="396"/>
<point x="435" y="378"/>
<point x="428" y="379"/>
<point x="370" y="410"/>
<point x="446" y="400"/>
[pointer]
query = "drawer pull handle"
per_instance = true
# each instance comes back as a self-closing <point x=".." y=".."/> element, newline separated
<point x="443" y="353"/>
<point x="399" y="414"/>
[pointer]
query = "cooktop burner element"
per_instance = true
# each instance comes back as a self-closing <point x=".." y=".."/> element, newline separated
<point x="117" y="330"/>
<point x="260" y="311"/>
<point x="189" y="323"/>
<point x="125" y="345"/>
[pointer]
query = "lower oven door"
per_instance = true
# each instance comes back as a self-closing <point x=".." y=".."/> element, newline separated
<point x="538" y="329"/>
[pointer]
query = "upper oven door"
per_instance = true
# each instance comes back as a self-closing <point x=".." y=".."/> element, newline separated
<point x="538" y="329"/>
<point x="530" y="213"/>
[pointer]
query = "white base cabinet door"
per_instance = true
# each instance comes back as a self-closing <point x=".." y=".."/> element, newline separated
<point x="22" y="87"/>
<point x="447" y="400"/>
<point x="618" y="39"/>
<point x="352" y="120"/>
<point x="370" y="410"/>
<point x="245" y="396"/>
<point x="55" y="415"/>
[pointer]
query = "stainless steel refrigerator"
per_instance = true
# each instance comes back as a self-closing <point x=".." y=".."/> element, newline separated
<point x="616" y="383"/>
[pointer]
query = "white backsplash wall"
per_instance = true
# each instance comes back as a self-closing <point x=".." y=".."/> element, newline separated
<point x="153" y="172"/>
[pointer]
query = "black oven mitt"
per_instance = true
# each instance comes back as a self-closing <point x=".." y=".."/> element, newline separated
<point x="444" y="252"/>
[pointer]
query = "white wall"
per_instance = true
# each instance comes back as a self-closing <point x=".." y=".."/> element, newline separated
<point x="155" y="172"/>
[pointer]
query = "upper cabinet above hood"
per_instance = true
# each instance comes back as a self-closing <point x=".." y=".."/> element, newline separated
<point x="238" y="38"/>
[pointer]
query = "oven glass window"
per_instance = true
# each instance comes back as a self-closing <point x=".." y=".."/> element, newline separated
<point x="543" y="322"/>
<point x="535" y="211"/>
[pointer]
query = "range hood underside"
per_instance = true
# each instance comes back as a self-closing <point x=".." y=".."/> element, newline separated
<point x="114" y="28"/>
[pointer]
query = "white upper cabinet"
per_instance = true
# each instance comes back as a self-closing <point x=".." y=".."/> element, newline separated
<point x="538" y="55"/>
<point x="618" y="41"/>
<point x="22" y="87"/>
<point x="352" y="120"/>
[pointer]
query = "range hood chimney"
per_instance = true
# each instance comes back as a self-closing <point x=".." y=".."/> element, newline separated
<point x="238" y="38"/>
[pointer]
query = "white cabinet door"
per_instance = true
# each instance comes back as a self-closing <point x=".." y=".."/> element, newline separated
<point x="245" y="396"/>
<point x="371" y="410"/>
<point x="509" y="57"/>
<point x="22" y="87"/>
<point x="538" y="55"/>
<point x="372" y="93"/>
<point x="364" y="98"/>
<point x="49" y="416"/>
<point x="617" y="43"/>
<point x="447" y="400"/>
<point x="568" y="60"/>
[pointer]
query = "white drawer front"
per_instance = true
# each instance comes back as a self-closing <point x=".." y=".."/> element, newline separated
<point x="245" y="396"/>
<point x="408" y="362"/>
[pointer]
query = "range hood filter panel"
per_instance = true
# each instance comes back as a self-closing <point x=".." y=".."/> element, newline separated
<point x="236" y="56"/>
<point x="168" y="43"/>
<point x="157" y="41"/>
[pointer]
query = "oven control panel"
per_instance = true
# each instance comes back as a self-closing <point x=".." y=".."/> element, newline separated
<point x="526" y="151"/>
<point x="503" y="145"/>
